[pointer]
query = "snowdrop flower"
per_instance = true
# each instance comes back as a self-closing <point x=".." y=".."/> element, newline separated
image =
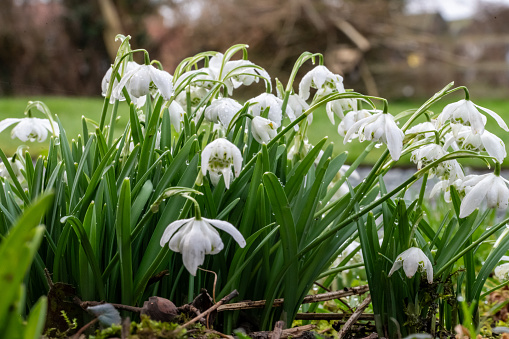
<point x="222" y="111"/>
<point x="350" y="119"/>
<point x="379" y="126"/>
<point x="486" y="141"/>
<point x="30" y="128"/>
<point x="422" y="130"/>
<point x="411" y="260"/>
<point x="137" y="82"/>
<point x="323" y="80"/>
<point x="176" y="112"/>
<point x="339" y="107"/>
<point x="502" y="272"/>
<point x="233" y="73"/>
<point x="217" y="158"/>
<point x="266" y="100"/>
<point x="244" y="72"/>
<point x="196" y="94"/>
<point x="263" y="129"/>
<point x="465" y="112"/>
<point x="299" y="106"/>
<point x="16" y="166"/>
<point x="196" y="237"/>
<point x="488" y="187"/>
<point x="107" y="78"/>
<point x="427" y="154"/>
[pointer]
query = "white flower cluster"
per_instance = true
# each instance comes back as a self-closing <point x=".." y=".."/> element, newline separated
<point x="461" y="126"/>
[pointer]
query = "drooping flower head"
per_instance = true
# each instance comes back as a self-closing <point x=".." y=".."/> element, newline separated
<point x="30" y="128"/>
<point x="196" y="237"/>
<point x="411" y="260"/>
<point x="466" y="139"/>
<point x="263" y="129"/>
<point x="502" y="272"/>
<point x="339" y="107"/>
<point x="269" y="101"/>
<point x="107" y="78"/>
<point x="139" y="79"/>
<point x="487" y="187"/>
<point x="350" y="119"/>
<point x="422" y="130"/>
<point x="467" y="113"/>
<point x="379" y="127"/>
<point x="218" y="157"/>
<point x="323" y="80"/>
<point x="222" y="111"/>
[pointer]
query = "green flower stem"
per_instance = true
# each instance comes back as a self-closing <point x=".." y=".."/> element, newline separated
<point x="298" y="64"/>
<point x="341" y="269"/>
<point x="190" y="291"/>
<point x="485" y="236"/>
<point x="497" y="168"/>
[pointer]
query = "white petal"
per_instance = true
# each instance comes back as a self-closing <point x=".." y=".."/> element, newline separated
<point x="229" y="228"/>
<point x="495" y="116"/>
<point x="474" y="198"/>
<point x="171" y="229"/>
<point x="7" y="122"/>
<point x="163" y="81"/>
<point x="494" y="146"/>
<point x="396" y="266"/>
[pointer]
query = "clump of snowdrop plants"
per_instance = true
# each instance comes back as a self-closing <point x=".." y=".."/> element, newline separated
<point x="200" y="181"/>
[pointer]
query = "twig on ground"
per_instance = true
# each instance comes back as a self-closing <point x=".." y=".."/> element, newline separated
<point x="85" y="304"/>
<point x="294" y="332"/>
<point x="355" y="316"/>
<point x="278" y="330"/>
<point x="308" y="299"/>
<point x="80" y="332"/>
<point x="213" y="308"/>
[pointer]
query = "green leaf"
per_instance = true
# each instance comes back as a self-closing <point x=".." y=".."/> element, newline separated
<point x="281" y="208"/>
<point x="36" y="319"/>
<point x="17" y="251"/>
<point x="123" y="229"/>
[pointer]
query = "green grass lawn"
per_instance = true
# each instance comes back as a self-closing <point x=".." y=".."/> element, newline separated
<point x="70" y="110"/>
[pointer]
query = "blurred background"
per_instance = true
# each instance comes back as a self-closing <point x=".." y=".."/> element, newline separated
<point x="57" y="51"/>
<point x="393" y="48"/>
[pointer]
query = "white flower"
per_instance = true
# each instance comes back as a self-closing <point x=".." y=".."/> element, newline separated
<point x="266" y="100"/>
<point x="16" y="166"/>
<point x="488" y="187"/>
<point x="244" y="72"/>
<point x="350" y="119"/>
<point x="196" y="94"/>
<point x="411" y="260"/>
<point x="107" y="78"/>
<point x="176" y="112"/>
<point x="465" y="112"/>
<point x="196" y="237"/>
<point x="137" y="82"/>
<point x="217" y="158"/>
<point x="422" y="130"/>
<point x="233" y="73"/>
<point x="502" y="272"/>
<point x="222" y="111"/>
<point x="379" y="126"/>
<point x="30" y="128"/>
<point x="263" y="129"/>
<point x="486" y="141"/>
<point x="323" y="80"/>
<point x="339" y="107"/>
<point x="299" y="106"/>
